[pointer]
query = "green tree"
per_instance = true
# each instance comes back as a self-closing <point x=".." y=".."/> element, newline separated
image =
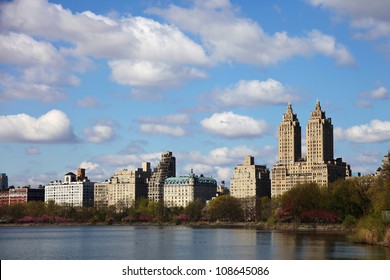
<point x="224" y="208"/>
<point x="303" y="197"/>
<point x="194" y="210"/>
<point x="350" y="197"/>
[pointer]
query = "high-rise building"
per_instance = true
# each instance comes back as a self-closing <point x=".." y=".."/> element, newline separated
<point x="3" y="181"/>
<point x="180" y="191"/>
<point x="319" y="166"/>
<point x="289" y="145"/>
<point x="128" y="185"/>
<point x="165" y="169"/>
<point x="249" y="183"/>
<point x="71" y="192"/>
<point x="123" y="188"/>
<point x="250" y="180"/>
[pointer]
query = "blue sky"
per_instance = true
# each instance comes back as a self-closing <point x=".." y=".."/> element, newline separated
<point x="107" y="85"/>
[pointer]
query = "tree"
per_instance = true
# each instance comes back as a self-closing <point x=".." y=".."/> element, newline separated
<point x="303" y="197"/>
<point x="194" y="210"/>
<point x="350" y="197"/>
<point x="225" y="208"/>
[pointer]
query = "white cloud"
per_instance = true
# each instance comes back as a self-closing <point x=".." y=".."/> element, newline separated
<point x="94" y="171"/>
<point x="24" y="50"/>
<point x="370" y="19"/>
<point x="171" y="125"/>
<point x="167" y="119"/>
<point x="151" y="74"/>
<point x="230" y="125"/>
<point x="365" y="99"/>
<point x="52" y="127"/>
<point x="247" y="42"/>
<point x="88" y="102"/>
<point x="374" y="132"/>
<point x="253" y="93"/>
<point x="41" y="70"/>
<point x="220" y="162"/>
<point x="140" y="51"/>
<point x="99" y="133"/>
<point x="175" y="131"/>
<point x="125" y="160"/>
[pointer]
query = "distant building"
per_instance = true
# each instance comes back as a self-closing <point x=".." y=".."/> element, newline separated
<point x="100" y="196"/>
<point x="250" y="180"/>
<point x="71" y="192"/>
<point x="3" y="181"/>
<point x="319" y="166"/>
<point x="222" y="189"/>
<point x="21" y="195"/>
<point x="165" y="169"/>
<point x="180" y="191"/>
<point x="249" y="183"/>
<point x="127" y="186"/>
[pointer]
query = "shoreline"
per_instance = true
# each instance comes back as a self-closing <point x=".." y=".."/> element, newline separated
<point x="323" y="228"/>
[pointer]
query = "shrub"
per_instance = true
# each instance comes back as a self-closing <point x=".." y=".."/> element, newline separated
<point x="349" y="221"/>
<point x="318" y="216"/>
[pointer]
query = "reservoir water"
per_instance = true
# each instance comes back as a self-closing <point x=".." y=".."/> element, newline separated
<point x="176" y="242"/>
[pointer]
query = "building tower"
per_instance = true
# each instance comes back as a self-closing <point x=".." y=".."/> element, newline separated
<point x="289" y="145"/>
<point x="249" y="183"/>
<point x="165" y="169"/>
<point x="3" y="182"/>
<point x="319" y="166"/>
<point x="319" y="137"/>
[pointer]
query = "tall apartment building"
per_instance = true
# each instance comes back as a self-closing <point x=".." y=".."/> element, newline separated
<point x="71" y="192"/>
<point x="123" y="188"/>
<point x="180" y="191"/>
<point x="165" y="169"/>
<point x="127" y="186"/>
<point x="3" y="181"/>
<point x="249" y="183"/>
<point x="250" y="180"/>
<point x="319" y="166"/>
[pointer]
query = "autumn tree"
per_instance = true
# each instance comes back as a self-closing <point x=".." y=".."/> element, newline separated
<point x="224" y="208"/>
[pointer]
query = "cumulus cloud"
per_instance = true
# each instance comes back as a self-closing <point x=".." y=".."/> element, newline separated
<point x="171" y="125"/>
<point x="369" y="19"/>
<point x="247" y="41"/>
<point x="100" y="133"/>
<point x="52" y="127"/>
<point x="376" y="131"/>
<point x="176" y="131"/>
<point x="220" y="162"/>
<point x="41" y="70"/>
<point x="230" y="125"/>
<point x="365" y="99"/>
<point x="253" y="93"/>
<point x="140" y="51"/>
<point x="151" y="74"/>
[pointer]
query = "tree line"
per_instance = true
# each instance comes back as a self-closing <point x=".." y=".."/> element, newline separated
<point x="358" y="202"/>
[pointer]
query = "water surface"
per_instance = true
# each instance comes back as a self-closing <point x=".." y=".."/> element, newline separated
<point x="176" y="242"/>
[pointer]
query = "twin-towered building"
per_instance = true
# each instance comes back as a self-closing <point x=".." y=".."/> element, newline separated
<point x="319" y="165"/>
<point x="249" y="180"/>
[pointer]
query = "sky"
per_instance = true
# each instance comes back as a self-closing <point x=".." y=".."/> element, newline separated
<point x="107" y="85"/>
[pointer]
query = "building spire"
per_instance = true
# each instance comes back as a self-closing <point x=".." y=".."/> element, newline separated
<point x="318" y="105"/>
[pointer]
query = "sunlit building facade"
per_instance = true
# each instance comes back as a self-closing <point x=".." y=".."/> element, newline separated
<point x="319" y="165"/>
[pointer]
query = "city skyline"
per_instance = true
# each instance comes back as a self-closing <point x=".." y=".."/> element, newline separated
<point x="107" y="86"/>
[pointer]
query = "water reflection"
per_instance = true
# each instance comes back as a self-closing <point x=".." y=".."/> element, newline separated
<point x="154" y="242"/>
